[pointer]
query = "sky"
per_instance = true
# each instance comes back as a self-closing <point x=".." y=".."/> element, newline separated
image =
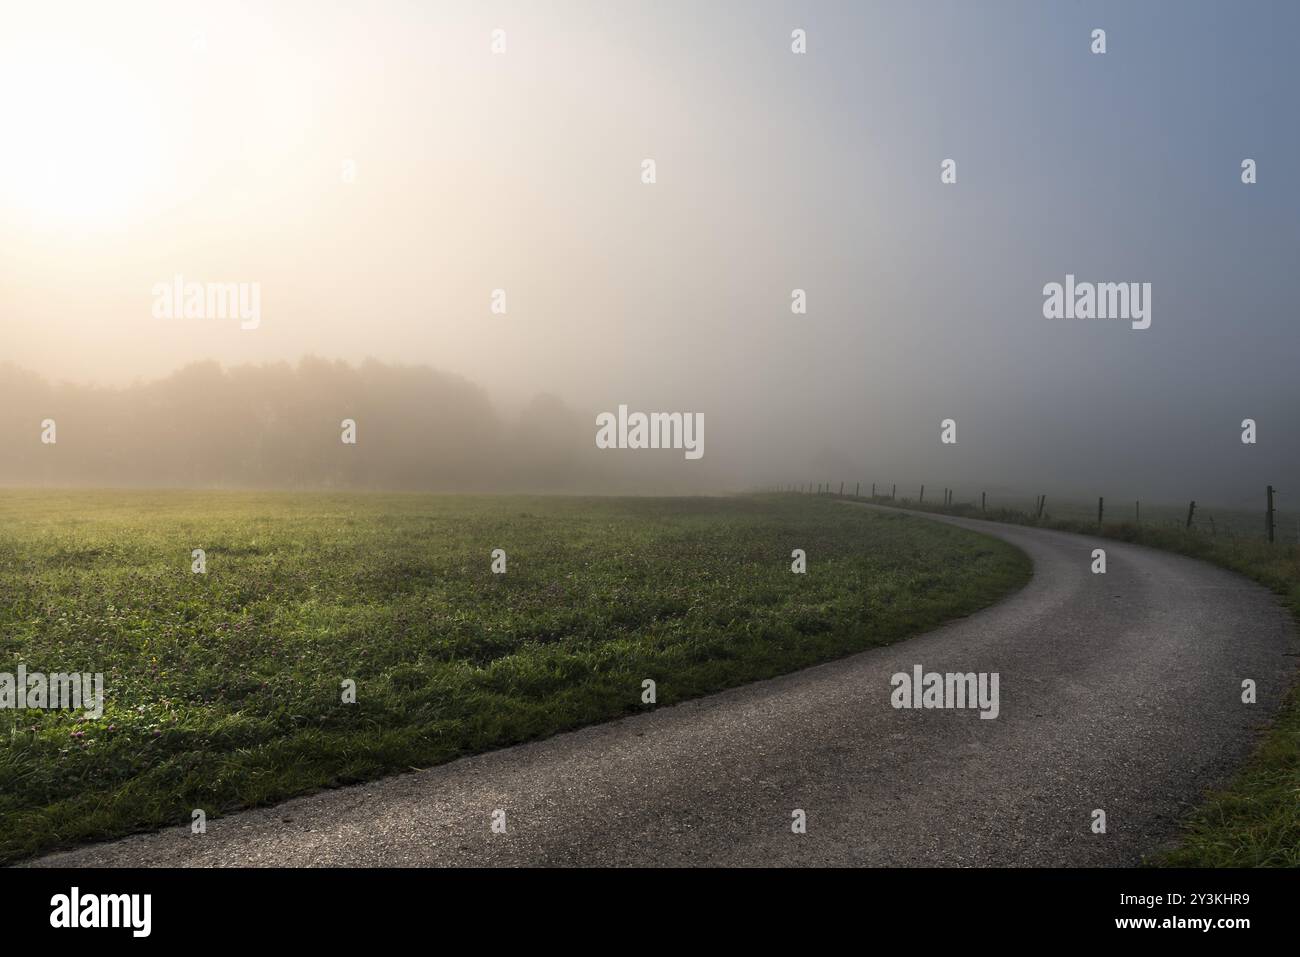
<point x="378" y="170"/>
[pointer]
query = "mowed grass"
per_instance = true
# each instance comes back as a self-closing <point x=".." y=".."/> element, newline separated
<point x="224" y="690"/>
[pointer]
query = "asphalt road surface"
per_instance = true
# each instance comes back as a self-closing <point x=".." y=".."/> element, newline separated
<point x="1119" y="692"/>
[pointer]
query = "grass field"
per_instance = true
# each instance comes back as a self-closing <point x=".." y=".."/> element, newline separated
<point x="1255" y="821"/>
<point x="224" y="689"/>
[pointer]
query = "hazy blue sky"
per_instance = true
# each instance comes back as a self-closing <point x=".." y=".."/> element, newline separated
<point x="145" y="140"/>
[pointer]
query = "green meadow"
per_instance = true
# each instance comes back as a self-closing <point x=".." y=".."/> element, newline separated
<point x="225" y="689"/>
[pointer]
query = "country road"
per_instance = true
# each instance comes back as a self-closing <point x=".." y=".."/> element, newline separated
<point x="1119" y="692"/>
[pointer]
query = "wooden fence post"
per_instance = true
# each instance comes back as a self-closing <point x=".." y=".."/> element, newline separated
<point x="1269" y="515"/>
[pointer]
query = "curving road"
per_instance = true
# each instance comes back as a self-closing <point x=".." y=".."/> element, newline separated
<point x="1119" y="691"/>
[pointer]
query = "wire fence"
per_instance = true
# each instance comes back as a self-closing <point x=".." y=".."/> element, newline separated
<point x="1244" y="518"/>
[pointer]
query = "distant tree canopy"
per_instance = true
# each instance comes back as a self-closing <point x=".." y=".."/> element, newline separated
<point x="281" y="426"/>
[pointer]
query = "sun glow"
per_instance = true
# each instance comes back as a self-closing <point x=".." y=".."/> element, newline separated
<point x="83" y="144"/>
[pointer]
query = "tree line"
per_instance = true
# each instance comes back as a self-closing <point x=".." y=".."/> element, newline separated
<point x="280" y="426"/>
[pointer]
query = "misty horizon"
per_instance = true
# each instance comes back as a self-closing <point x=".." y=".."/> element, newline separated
<point x="545" y="445"/>
<point x="423" y="201"/>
